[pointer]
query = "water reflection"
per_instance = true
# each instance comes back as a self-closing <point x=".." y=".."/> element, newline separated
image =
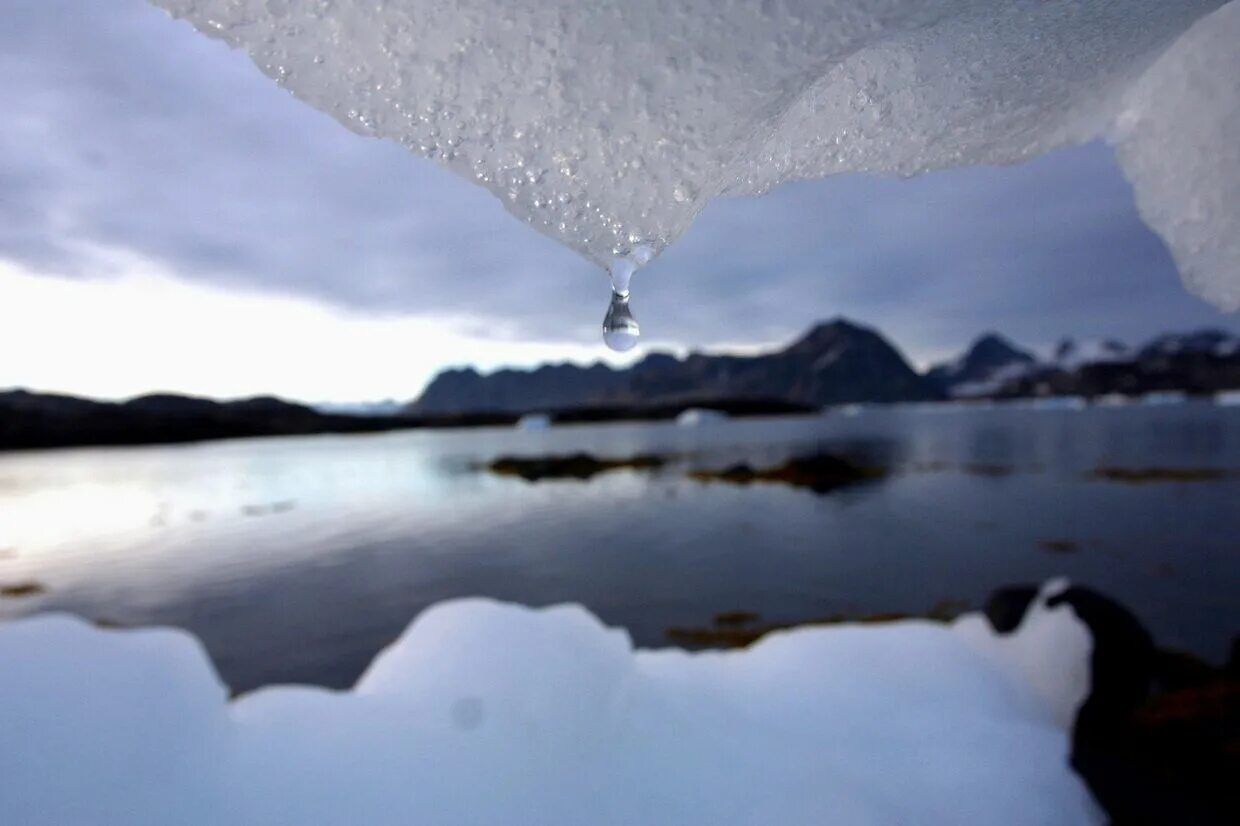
<point x="296" y="559"/>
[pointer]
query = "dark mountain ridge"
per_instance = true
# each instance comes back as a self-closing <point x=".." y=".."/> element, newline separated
<point x="840" y="362"/>
<point x="836" y="362"/>
<point x="43" y="420"/>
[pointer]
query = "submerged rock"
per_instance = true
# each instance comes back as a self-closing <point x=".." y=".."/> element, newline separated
<point x="1140" y="475"/>
<point x="22" y="589"/>
<point x="570" y="466"/>
<point x="820" y="472"/>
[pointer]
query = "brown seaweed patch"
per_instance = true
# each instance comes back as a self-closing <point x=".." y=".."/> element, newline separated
<point x="1188" y="738"/>
<point x="1145" y="475"/>
<point x="735" y="618"/>
<point x="23" y="589"/>
<point x="737" y="634"/>
<point x="820" y="472"/>
<point x="580" y="466"/>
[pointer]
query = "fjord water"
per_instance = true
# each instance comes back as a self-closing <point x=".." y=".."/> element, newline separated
<point x="296" y="559"/>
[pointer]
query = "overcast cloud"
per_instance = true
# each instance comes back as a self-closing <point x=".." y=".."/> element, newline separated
<point x="124" y="130"/>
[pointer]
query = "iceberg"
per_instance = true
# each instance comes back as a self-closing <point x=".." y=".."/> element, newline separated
<point x="608" y="126"/>
<point x="699" y="416"/>
<point x="489" y="713"/>
<point x="534" y="421"/>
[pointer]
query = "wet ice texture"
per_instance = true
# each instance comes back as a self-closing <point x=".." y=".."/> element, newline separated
<point x="607" y="125"/>
<point x="484" y="713"/>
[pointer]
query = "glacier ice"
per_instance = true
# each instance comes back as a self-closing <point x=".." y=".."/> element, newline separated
<point x="486" y="713"/>
<point x="609" y="125"/>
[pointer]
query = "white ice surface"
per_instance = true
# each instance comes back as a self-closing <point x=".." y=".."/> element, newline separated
<point x="610" y="124"/>
<point x="486" y="713"/>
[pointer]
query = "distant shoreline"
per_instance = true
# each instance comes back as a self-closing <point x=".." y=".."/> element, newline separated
<point x="34" y="421"/>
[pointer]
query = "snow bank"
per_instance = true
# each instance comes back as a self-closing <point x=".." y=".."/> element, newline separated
<point x="609" y="125"/>
<point x="485" y="713"/>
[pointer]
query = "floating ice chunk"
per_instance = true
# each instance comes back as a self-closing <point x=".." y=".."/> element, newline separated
<point x="1058" y="403"/>
<point x="697" y="416"/>
<point x="486" y="713"/>
<point x="609" y="125"/>
<point x="1164" y="398"/>
<point x="534" y="421"/>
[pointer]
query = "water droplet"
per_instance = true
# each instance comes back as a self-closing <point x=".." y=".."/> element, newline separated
<point x="620" y="330"/>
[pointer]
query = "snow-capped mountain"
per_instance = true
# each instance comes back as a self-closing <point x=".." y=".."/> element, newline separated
<point x="1212" y="342"/>
<point x="1204" y="361"/>
<point x="990" y="362"/>
<point x="1072" y="354"/>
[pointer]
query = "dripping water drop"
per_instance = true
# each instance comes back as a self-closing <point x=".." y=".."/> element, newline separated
<point x="620" y="329"/>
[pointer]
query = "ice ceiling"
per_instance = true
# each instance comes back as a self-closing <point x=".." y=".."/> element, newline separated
<point x="609" y="125"/>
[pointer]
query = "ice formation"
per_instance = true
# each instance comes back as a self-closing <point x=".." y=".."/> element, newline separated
<point x="609" y="125"/>
<point x="485" y="713"/>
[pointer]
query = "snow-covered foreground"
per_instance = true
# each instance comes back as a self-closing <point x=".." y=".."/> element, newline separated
<point x="609" y="125"/>
<point x="486" y="713"/>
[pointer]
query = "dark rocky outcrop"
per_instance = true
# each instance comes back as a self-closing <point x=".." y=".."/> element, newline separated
<point x="1005" y="607"/>
<point x="1158" y="737"/>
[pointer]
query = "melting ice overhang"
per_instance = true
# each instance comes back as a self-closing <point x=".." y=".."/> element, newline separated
<point x="609" y="123"/>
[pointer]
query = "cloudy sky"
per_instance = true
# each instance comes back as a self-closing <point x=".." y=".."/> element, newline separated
<point x="171" y="220"/>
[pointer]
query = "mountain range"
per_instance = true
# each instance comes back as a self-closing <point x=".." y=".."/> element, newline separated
<point x="1195" y="363"/>
<point x="834" y="363"/>
<point x="841" y="362"/>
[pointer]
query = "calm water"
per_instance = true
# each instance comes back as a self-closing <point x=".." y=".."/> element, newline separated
<point x="297" y="559"/>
